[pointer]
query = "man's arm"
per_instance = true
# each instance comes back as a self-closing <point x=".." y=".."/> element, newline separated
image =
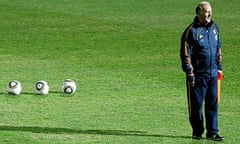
<point x="185" y="52"/>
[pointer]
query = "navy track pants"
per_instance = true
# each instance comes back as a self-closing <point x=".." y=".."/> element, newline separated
<point x="204" y="91"/>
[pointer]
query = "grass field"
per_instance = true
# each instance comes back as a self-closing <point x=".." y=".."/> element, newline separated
<point x="124" y="57"/>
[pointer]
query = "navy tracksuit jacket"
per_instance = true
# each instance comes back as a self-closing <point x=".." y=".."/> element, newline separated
<point x="201" y="55"/>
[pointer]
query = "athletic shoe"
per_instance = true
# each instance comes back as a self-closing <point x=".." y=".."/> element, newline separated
<point x="215" y="137"/>
<point x="196" y="137"/>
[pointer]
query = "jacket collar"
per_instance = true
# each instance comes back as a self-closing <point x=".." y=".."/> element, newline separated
<point x="198" y="24"/>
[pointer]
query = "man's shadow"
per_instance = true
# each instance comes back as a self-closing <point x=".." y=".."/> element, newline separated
<point x="37" y="129"/>
<point x="61" y="94"/>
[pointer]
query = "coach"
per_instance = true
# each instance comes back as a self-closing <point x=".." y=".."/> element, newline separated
<point x="201" y="61"/>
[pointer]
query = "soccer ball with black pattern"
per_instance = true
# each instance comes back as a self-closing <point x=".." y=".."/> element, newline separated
<point x="14" y="87"/>
<point x="69" y="86"/>
<point x="41" y="87"/>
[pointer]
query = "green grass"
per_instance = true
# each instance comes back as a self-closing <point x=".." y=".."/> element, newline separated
<point x="124" y="57"/>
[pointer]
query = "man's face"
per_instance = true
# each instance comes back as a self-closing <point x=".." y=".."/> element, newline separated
<point x="205" y="15"/>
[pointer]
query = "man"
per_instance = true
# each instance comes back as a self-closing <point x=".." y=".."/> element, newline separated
<point x="201" y="61"/>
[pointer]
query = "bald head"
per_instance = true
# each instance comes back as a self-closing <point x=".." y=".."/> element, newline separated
<point x="204" y="12"/>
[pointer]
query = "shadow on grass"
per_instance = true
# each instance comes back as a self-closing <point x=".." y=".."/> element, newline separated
<point x="61" y="94"/>
<point x="36" y="129"/>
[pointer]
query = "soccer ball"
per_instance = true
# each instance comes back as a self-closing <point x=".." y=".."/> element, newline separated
<point x="41" y="87"/>
<point x="14" y="87"/>
<point x="69" y="86"/>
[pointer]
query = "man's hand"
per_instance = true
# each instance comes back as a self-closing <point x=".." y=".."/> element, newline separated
<point x="191" y="79"/>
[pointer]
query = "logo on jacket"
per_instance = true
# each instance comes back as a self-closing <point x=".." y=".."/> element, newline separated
<point x="201" y="38"/>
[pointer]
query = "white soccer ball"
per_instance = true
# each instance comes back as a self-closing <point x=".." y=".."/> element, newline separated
<point x="69" y="86"/>
<point x="41" y="87"/>
<point x="14" y="87"/>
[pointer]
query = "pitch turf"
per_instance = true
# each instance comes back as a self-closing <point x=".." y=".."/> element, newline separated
<point x="124" y="57"/>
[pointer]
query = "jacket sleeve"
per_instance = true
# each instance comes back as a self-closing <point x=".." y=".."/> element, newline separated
<point x="186" y="50"/>
<point x="219" y="62"/>
<point x="219" y="52"/>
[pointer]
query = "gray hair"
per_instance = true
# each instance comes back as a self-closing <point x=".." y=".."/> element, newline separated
<point x="199" y="6"/>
